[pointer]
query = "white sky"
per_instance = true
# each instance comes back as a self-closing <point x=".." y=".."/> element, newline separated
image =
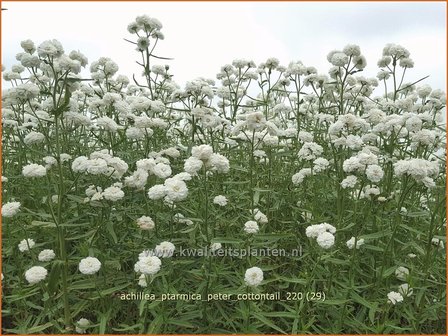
<point x="204" y="36"/>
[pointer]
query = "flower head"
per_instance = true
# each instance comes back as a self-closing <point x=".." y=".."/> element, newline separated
<point x="35" y="274"/>
<point x="10" y="209"/>
<point x="26" y="245"/>
<point x="46" y="255"/>
<point x="251" y="227"/>
<point x="148" y="265"/>
<point x="145" y="223"/>
<point x="89" y="265"/>
<point x="394" y="297"/>
<point x="253" y="276"/>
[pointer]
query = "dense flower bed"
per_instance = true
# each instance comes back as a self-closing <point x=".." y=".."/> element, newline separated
<point x="107" y="178"/>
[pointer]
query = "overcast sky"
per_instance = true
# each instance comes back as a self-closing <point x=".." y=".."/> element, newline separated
<point x="201" y="37"/>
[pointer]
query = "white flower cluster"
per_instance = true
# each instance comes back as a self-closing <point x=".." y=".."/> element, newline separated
<point x="203" y="156"/>
<point x="174" y="189"/>
<point x="420" y="170"/>
<point x="351" y="243"/>
<point x="323" y="233"/>
<point x="26" y="245"/>
<point x="364" y="162"/>
<point x="404" y="290"/>
<point x="100" y="163"/>
<point x="310" y="151"/>
<point x="112" y="193"/>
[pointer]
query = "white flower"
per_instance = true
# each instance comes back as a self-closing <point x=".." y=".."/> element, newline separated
<point x="64" y="157"/>
<point x="215" y="247"/>
<point x="145" y="223"/>
<point x="35" y="274"/>
<point x="255" y="121"/>
<point x="146" y="164"/>
<point x="368" y="192"/>
<point x="352" y="164"/>
<point x="349" y="182"/>
<point x="10" y="209"/>
<point x="184" y="176"/>
<point x="113" y="194"/>
<point x="89" y="265"/>
<point x="298" y="178"/>
<point x="310" y="151"/>
<point x="320" y="164"/>
<point x="352" y="50"/>
<point x="325" y="240"/>
<point x="142" y="281"/>
<point x="33" y="138"/>
<point x="80" y="164"/>
<point x="28" y="46"/>
<point x="49" y="161"/>
<point x="304" y="136"/>
<point x="253" y="276"/>
<point x="313" y="231"/>
<point x="351" y="243"/>
<point x="96" y="166"/>
<point x="162" y="170"/>
<point x="405" y="290"/>
<point x="394" y="297"/>
<point x="164" y="250"/>
<point x="34" y="170"/>
<point x="419" y="169"/>
<point x="251" y="227"/>
<point x="220" y="200"/>
<point x="179" y="218"/>
<point x="339" y="59"/>
<point x="437" y="242"/>
<point x="413" y="124"/>
<point x="192" y="165"/>
<point x="176" y="190"/>
<point x="219" y="163"/>
<point x="401" y="273"/>
<point x="260" y="217"/>
<point x="202" y="152"/>
<point x="46" y="255"/>
<point x="138" y="179"/>
<point x="173" y="152"/>
<point x="51" y="48"/>
<point x="81" y="325"/>
<point x="148" y="265"/>
<point x="135" y="133"/>
<point x="26" y="245"/>
<point x="157" y="192"/>
<point x="374" y="173"/>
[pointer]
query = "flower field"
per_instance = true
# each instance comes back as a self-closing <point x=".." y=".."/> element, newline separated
<point x="273" y="199"/>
